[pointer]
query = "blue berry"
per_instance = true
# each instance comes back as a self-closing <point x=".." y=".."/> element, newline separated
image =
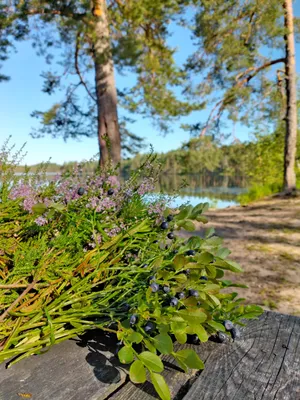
<point x="126" y="307"/>
<point x="221" y="337"/>
<point x="80" y="191"/>
<point x="175" y="251"/>
<point x="203" y="278"/>
<point x="133" y="319"/>
<point x="154" y="287"/>
<point x="170" y="218"/>
<point x="145" y="266"/>
<point x="149" y="327"/>
<point x="166" y="289"/>
<point x="110" y="192"/>
<point x="235" y="333"/>
<point x="181" y="295"/>
<point x="190" y="253"/>
<point x="228" y="325"/>
<point x="164" y="225"/>
<point x="173" y="302"/>
<point x="171" y="235"/>
<point x="151" y="278"/>
<point x="195" y="339"/>
<point x="187" y="271"/>
<point x="194" y="293"/>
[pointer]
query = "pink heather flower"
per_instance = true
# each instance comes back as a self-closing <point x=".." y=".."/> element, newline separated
<point x="146" y="186"/>
<point x="94" y="202"/>
<point x="29" y="203"/>
<point x="97" y="238"/>
<point x="113" y="232"/>
<point x="157" y="208"/>
<point x="21" y="190"/>
<point x="105" y="204"/>
<point x="41" y="221"/>
<point x="113" y="181"/>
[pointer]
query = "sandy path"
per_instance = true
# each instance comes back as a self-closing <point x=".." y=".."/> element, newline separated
<point x="265" y="239"/>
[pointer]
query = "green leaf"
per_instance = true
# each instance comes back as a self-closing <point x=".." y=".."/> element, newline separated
<point x="190" y="358"/>
<point x="200" y="208"/>
<point x="194" y="242"/>
<point x="180" y="362"/>
<point x="201" y="218"/>
<point x="161" y="386"/>
<point x="215" y="300"/>
<point x="188" y="225"/>
<point x="213" y="241"/>
<point x="151" y="361"/>
<point x="57" y="206"/>
<point x="223" y="252"/>
<point x="126" y="355"/>
<point x="180" y="278"/>
<point x="135" y="337"/>
<point x="201" y="332"/>
<point x="228" y="265"/>
<point x="184" y="213"/>
<point x="204" y="257"/>
<point x="163" y="343"/>
<point x="39" y="208"/>
<point x="149" y="346"/>
<point x="181" y="337"/>
<point x="192" y="316"/>
<point x="178" y="326"/>
<point x="216" y="325"/>
<point x="179" y="261"/>
<point x="211" y="271"/>
<point x="209" y="232"/>
<point x="137" y="372"/>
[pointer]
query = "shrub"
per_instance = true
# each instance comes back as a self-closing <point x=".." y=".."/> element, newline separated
<point x="84" y="253"/>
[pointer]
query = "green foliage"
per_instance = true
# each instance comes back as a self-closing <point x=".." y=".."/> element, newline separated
<point x="139" y="32"/>
<point x="87" y="262"/>
<point x="236" y="43"/>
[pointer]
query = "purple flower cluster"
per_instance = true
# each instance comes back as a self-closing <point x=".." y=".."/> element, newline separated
<point x="157" y="208"/>
<point x="146" y="186"/>
<point x="101" y="204"/>
<point x="97" y="238"/>
<point x="26" y="192"/>
<point x="41" y="221"/>
<point x="113" y="232"/>
<point x="113" y="181"/>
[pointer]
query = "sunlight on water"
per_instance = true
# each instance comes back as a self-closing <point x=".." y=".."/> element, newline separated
<point x="194" y="200"/>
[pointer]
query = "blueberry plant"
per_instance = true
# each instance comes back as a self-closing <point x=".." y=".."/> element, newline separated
<point x="81" y="253"/>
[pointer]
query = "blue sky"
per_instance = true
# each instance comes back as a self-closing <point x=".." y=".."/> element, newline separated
<point x="22" y="95"/>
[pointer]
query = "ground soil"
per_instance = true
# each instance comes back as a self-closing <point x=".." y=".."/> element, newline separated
<point x="265" y="239"/>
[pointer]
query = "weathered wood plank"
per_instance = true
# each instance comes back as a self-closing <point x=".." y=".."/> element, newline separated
<point x="66" y="372"/>
<point x="264" y="364"/>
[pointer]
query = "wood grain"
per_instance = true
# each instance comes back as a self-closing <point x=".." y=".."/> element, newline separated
<point x="264" y="364"/>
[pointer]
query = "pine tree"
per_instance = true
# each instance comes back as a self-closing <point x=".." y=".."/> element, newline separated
<point x="246" y="59"/>
<point x="98" y="37"/>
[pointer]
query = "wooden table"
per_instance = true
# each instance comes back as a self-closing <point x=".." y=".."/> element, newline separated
<point x="264" y="363"/>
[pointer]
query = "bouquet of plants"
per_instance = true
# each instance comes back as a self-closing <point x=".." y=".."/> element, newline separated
<point x="80" y="253"/>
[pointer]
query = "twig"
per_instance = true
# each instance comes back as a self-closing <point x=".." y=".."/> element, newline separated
<point x="31" y="286"/>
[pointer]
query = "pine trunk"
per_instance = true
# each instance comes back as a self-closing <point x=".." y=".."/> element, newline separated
<point x="108" y="127"/>
<point x="291" y="96"/>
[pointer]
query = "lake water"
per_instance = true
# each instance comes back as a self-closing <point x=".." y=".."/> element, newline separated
<point x="218" y="191"/>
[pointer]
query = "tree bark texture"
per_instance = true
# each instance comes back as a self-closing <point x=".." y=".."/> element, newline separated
<point x="108" y="127"/>
<point x="291" y="98"/>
